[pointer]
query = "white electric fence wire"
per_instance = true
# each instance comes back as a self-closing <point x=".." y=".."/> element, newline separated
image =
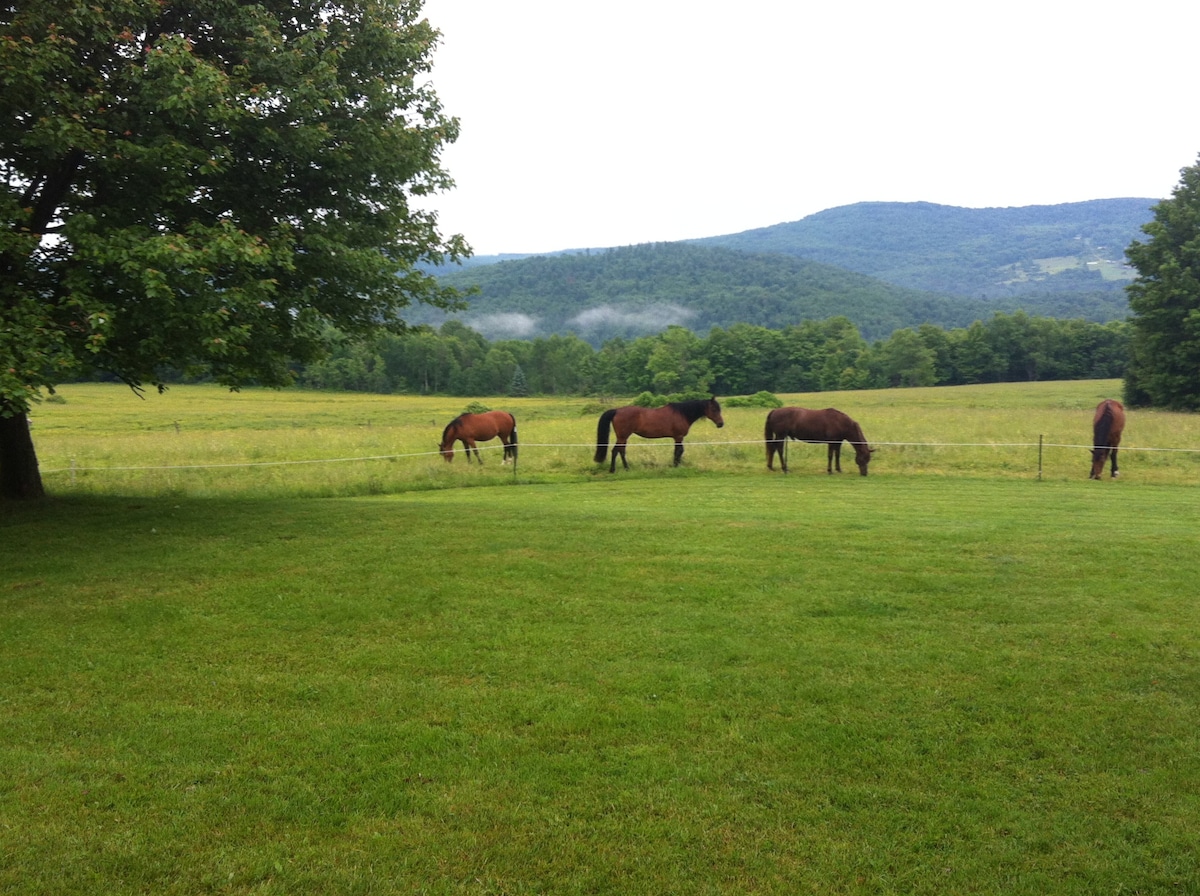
<point x="590" y="446"/>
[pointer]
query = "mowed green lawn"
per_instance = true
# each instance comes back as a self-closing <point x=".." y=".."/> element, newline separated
<point x="947" y="677"/>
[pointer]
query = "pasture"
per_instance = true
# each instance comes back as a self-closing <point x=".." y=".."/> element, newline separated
<point x="364" y="677"/>
<point x="204" y="441"/>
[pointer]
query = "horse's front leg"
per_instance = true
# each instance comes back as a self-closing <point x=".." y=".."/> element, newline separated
<point x="471" y="446"/>
<point x="678" y="451"/>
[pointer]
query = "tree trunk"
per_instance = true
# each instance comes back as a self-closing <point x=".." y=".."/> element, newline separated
<point x="20" y="478"/>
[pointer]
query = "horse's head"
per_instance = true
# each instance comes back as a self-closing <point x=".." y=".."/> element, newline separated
<point x="862" y="456"/>
<point x="1099" y="456"/>
<point x="712" y="411"/>
<point x="447" y="445"/>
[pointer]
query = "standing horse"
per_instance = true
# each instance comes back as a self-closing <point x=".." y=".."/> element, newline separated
<point x="1107" y="427"/>
<point x="470" y="428"/>
<point x="669" y="421"/>
<point x="827" y="427"/>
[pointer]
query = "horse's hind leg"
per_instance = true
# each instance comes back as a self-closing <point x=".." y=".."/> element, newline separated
<point x="833" y="456"/>
<point x="678" y="452"/>
<point x="775" y="446"/>
<point x="1115" y="471"/>
<point x="618" y="448"/>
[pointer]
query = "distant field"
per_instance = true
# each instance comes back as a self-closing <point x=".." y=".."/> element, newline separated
<point x="362" y="677"/>
<point x="1110" y="269"/>
<point x="205" y="441"/>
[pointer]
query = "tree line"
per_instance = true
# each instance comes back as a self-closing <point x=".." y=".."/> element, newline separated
<point x="742" y="359"/>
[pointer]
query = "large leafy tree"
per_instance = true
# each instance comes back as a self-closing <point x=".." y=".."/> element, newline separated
<point x="1164" y="368"/>
<point x="207" y="184"/>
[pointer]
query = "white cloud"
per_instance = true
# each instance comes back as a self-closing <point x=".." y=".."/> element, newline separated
<point x="651" y="120"/>
<point x="652" y="318"/>
<point x="507" y="325"/>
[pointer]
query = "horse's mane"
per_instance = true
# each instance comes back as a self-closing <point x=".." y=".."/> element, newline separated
<point x="453" y="423"/>
<point x="692" y="409"/>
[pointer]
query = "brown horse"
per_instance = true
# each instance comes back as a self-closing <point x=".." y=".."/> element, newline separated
<point x="826" y="427"/>
<point x="472" y="428"/>
<point x="671" y="421"/>
<point x="1107" y="427"/>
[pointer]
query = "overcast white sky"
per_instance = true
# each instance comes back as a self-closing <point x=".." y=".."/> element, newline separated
<point x="616" y="122"/>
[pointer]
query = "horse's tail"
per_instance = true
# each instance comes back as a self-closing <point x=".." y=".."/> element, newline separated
<point x="602" y="430"/>
<point x="769" y="438"/>
<point x="510" y="449"/>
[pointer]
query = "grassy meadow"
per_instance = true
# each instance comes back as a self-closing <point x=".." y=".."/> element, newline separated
<point x="205" y="441"/>
<point x="362" y="677"/>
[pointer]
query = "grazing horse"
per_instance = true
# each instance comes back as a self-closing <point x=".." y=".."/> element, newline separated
<point x="1107" y="426"/>
<point x="669" y="421"/>
<point x="826" y="427"/>
<point x="470" y="428"/>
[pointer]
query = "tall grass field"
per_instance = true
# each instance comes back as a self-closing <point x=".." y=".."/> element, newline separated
<point x="272" y="643"/>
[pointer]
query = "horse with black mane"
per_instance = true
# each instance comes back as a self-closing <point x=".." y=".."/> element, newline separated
<point x="671" y="421"/>
<point x="824" y="427"/>
<point x="472" y="428"/>
<point x="1107" y="426"/>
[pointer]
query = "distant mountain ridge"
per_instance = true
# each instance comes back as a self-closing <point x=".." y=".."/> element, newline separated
<point x="979" y="253"/>
<point x="883" y="265"/>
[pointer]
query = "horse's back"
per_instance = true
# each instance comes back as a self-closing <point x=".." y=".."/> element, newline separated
<point x="1109" y="422"/>
<point x="503" y="420"/>
<point x="483" y="426"/>
<point x="811" y="424"/>
<point x="667" y="421"/>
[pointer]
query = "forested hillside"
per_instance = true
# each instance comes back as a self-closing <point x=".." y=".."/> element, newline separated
<point x="636" y="290"/>
<point x="980" y="253"/>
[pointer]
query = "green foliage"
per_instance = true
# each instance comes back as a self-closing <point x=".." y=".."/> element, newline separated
<point x="637" y="290"/>
<point x="757" y="400"/>
<point x="1165" y="364"/>
<point x="814" y="356"/>
<point x="476" y="407"/>
<point x="177" y="188"/>
<point x="650" y="400"/>
<point x="884" y="266"/>
<point x="656" y="399"/>
<point x="518" y="386"/>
